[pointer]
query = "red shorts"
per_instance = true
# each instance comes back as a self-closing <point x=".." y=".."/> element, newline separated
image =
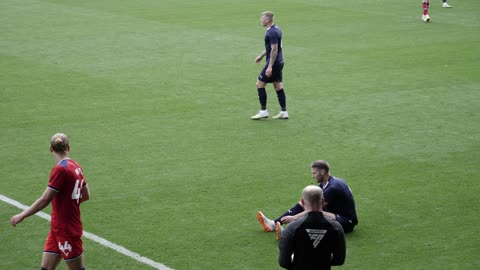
<point x="70" y="247"/>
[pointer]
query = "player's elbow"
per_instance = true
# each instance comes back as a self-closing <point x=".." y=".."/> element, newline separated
<point x="46" y="198"/>
<point x="337" y="260"/>
<point x="284" y="263"/>
<point x="85" y="197"/>
<point x="284" y="258"/>
<point x="337" y="263"/>
<point x="43" y="202"/>
<point x="85" y="194"/>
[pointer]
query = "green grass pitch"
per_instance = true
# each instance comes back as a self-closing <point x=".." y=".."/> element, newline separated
<point x="156" y="98"/>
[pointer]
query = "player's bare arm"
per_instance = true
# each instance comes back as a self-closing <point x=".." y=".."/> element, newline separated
<point x="273" y="57"/>
<point x="329" y="215"/>
<point x="37" y="206"/>
<point x="260" y="56"/>
<point x="288" y="219"/>
<point x="85" y="194"/>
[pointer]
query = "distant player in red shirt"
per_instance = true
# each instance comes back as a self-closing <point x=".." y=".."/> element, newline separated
<point x="426" y="6"/>
<point x="66" y="189"/>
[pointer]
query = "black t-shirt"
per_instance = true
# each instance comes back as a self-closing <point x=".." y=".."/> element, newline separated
<point x="315" y="242"/>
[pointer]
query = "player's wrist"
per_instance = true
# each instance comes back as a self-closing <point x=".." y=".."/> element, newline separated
<point x="22" y="216"/>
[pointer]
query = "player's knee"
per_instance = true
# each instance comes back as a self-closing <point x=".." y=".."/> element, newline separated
<point x="278" y="86"/>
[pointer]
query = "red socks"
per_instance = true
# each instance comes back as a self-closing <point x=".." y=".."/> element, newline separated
<point x="425" y="8"/>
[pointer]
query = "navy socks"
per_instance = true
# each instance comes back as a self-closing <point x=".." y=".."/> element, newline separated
<point x="262" y="97"/>
<point x="282" y="99"/>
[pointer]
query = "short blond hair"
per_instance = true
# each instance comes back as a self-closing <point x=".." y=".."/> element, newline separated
<point x="268" y="14"/>
<point x="312" y="195"/>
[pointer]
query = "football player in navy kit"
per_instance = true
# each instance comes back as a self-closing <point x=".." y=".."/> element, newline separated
<point x="339" y="203"/>
<point x="272" y="71"/>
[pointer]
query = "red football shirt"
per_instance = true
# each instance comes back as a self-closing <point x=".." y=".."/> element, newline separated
<point x="67" y="179"/>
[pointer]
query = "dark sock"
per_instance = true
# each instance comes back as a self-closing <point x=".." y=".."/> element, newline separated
<point x="298" y="208"/>
<point x="43" y="268"/>
<point x="282" y="99"/>
<point x="444" y="1"/>
<point x="262" y="97"/>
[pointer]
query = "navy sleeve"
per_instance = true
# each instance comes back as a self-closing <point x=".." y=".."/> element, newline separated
<point x="273" y="37"/>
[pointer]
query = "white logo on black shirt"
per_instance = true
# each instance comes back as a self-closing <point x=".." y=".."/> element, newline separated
<point x="316" y="235"/>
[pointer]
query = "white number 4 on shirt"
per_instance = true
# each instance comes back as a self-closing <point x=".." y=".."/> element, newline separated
<point x="77" y="190"/>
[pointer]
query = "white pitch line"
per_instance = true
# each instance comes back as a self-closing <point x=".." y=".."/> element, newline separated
<point x="98" y="239"/>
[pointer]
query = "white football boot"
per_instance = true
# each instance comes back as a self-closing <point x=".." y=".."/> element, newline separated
<point x="267" y="224"/>
<point x="261" y="114"/>
<point x="445" y="5"/>
<point x="425" y="18"/>
<point x="281" y="115"/>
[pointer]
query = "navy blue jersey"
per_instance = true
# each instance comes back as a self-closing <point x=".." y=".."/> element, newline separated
<point x="274" y="36"/>
<point x="339" y="199"/>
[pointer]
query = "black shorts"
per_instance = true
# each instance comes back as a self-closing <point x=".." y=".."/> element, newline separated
<point x="277" y="74"/>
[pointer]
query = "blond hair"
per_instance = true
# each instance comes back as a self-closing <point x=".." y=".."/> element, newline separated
<point x="268" y="14"/>
<point x="312" y="195"/>
<point x="59" y="142"/>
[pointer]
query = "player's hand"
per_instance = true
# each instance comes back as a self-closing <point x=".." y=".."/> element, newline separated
<point x="287" y="219"/>
<point x="268" y="72"/>
<point x="324" y="204"/>
<point x="258" y="59"/>
<point x="16" y="219"/>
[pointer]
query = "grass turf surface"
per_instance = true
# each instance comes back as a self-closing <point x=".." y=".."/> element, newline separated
<point x="156" y="98"/>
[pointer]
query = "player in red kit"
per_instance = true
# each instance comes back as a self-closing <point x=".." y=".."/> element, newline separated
<point x="66" y="189"/>
<point x="426" y="6"/>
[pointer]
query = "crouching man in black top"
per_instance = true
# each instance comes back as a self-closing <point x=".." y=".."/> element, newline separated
<point x="312" y="242"/>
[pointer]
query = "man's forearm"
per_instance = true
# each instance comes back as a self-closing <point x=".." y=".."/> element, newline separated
<point x="299" y="215"/>
<point x="85" y="194"/>
<point x="285" y="255"/>
<point x="37" y="206"/>
<point x="273" y="57"/>
<point x="339" y="248"/>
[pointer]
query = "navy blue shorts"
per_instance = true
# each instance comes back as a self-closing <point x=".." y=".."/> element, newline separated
<point x="346" y="223"/>
<point x="277" y="74"/>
